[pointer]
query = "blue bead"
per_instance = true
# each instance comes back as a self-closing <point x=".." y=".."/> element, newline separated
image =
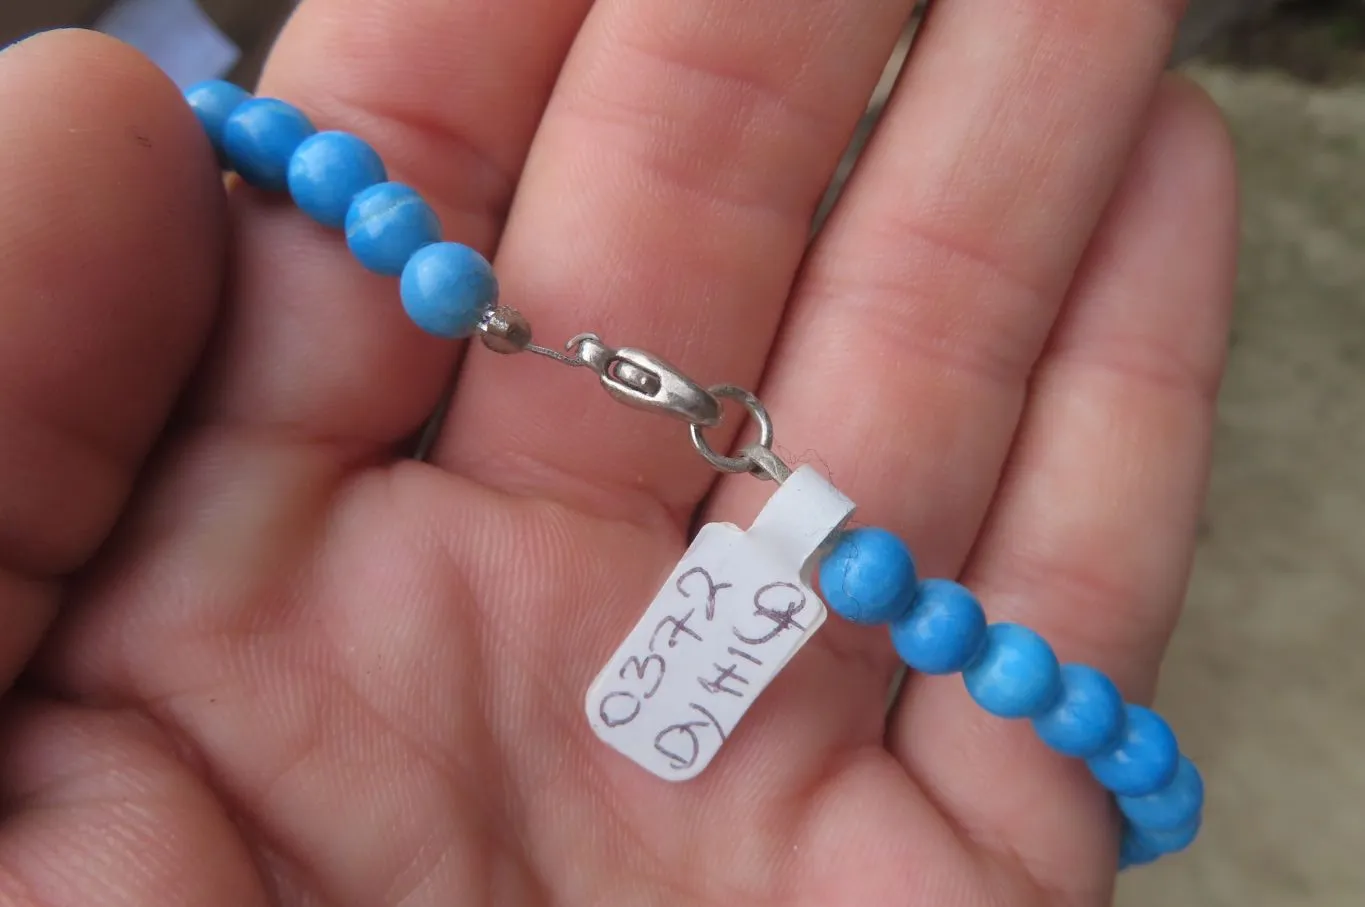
<point x="944" y="630"/>
<point x="1016" y="675"/>
<point x="1145" y="760"/>
<point x="1134" y="850"/>
<point x="213" y="102"/>
<point x="260" y="137"/>
<point x="1087" y="718"/>
<point x="328" y="171"/>
<point x="387" y="224"/>
<point x="1174" y="806"/>
<point x="1165" y="842"/>
<point x="869" y="577"/>
<point x="447" y="288"/>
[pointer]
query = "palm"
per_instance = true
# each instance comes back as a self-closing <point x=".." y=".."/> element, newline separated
<point x="375" y="752"/>
<point x="302" y="672"/>
<point x="393" y="721"/>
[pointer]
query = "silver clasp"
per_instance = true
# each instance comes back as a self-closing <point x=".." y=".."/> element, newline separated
<point x="646" y="381"/>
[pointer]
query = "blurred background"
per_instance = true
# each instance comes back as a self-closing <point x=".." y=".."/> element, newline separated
<point x="1266" y="678"/>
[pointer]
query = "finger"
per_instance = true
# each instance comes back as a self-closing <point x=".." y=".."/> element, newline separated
<point x="1091" y="536"/>
<point x="111" y="229"/>
<point x="449" y="95"/>
<point x="929" y="296"/>
<point x="667" y="204"/>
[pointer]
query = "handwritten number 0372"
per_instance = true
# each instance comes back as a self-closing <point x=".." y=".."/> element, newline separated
<point x="621" y="707"/>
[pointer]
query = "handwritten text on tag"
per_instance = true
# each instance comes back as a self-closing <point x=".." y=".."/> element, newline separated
<point x="734" y="611"/>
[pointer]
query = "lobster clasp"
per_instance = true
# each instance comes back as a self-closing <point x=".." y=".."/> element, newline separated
<point x="646" y="381"/>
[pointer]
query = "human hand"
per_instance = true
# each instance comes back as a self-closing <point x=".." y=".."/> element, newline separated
<point x="267" y="661"/>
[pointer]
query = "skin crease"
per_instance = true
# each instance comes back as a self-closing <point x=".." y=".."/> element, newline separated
<point x="253" y="657"/>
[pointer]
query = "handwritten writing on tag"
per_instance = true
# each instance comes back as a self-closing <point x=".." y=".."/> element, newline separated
<point x="734" y="611"/>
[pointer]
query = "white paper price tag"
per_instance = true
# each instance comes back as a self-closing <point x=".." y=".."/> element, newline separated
<point x="731" y="615"/>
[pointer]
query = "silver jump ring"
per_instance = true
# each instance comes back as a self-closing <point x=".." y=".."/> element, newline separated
<point x="756" y="411"/>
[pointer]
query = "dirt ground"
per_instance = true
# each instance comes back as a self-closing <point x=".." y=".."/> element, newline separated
<point x="1316" y="41"/>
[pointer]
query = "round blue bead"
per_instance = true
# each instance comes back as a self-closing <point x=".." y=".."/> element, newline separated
<point x="1173" y="807"/>
<point x="1145" y="760"/>
<point x="328" y="171"/>
<point x="213" y="102"/>
<point x="869" y="577"/>
<point x="944" y="630"/>
<point x="260" y="137"/>
<point x="447" y="288"/>
<point x="386" y="225"/>
<point x="1087" y="718"/>
<point x="1016" y="675"/>
<point x="1134" y="850"/>
<point x="1172" y="840"/>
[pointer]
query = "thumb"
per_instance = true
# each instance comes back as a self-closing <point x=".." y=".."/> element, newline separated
<point x="111" y="247"/>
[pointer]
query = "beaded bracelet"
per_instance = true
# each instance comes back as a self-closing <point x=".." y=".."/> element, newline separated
<point x="675" y="689"/>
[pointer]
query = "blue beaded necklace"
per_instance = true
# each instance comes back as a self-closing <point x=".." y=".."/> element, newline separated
<point x="865" y="575"/>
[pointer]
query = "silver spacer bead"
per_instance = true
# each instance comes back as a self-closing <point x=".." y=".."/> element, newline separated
<point x="505" y="330"/>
